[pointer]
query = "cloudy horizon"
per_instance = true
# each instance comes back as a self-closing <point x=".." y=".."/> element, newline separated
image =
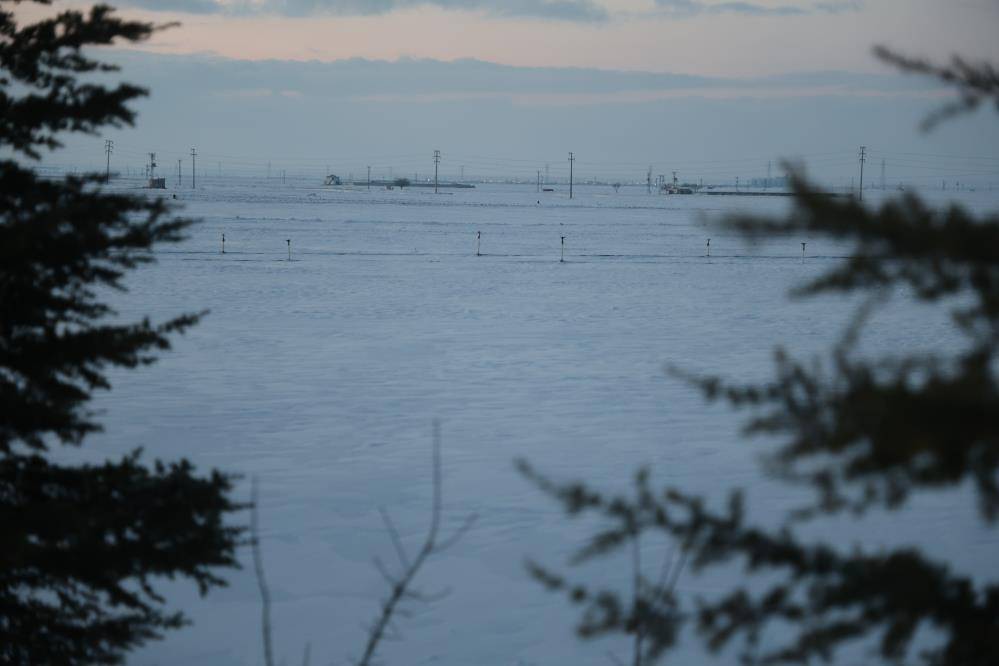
<point x="726" y="38"/>
<point x="314" y="85"/>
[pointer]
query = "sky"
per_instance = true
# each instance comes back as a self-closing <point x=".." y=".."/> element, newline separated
<point x="707" y="37"/>
<point x="505" y="86"/>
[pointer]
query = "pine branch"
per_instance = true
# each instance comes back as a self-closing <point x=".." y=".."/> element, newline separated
<point x="975" y="83"/>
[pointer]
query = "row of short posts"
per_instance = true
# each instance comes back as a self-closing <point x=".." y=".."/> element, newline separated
<point x="561" y="259"/>
<point x="478" y="247"/>
<point x="286" y="240"/>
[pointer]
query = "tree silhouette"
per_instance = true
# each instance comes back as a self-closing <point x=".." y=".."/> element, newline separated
<point x="80" y="545"/>
<point x="860" y="433"/>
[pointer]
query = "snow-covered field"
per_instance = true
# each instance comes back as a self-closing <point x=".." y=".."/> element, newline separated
<point x="321" y="376"/>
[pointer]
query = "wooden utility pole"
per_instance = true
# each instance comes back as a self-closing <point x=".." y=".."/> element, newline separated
<point x="572" y="159"/>
<point x="108" y="149"/>
<point x="863" y="157"/>
<point x="437" y="161"/>
<point x="194" y="154"/>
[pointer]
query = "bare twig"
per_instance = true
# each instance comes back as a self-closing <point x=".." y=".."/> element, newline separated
<point x="655" y="598"/>
<point x="401" y="586"/>
<point x="394" y="534"/>
<point x="258" y="567"/>
<point x="636" y="562"/>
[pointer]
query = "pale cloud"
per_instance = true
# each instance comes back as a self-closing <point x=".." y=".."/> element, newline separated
<point x="183" y="6"/>
<point x="687" y="8"/>
<point x="575" y="100"/>
<point x="586" y="11"/>
<point x="254" y="93"/>
<point x="639" y="35"/>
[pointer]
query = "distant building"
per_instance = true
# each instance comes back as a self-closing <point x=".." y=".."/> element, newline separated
<point x="332" y="179"/>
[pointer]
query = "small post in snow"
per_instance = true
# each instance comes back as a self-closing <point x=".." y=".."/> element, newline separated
<point x="478" y="243"/>
<point x="288" y="241"/>
<point x="709" y="247"/>
<point x="803" y="251"/>
<point x="223" y="242"/>
<point x="562" y="258"/>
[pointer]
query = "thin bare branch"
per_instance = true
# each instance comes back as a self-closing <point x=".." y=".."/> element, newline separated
<point x="258" y="568"/>
<point x="400" y="550"/>
<point x="664" y="574"/>
<point x="401" y="587"/>
<point x="636" y="563"/>
<point x="458" y="534"/>
<point x="383" y="570"/>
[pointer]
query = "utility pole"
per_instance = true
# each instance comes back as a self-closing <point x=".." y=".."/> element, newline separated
<point x="767" y="184"/>
<point x="369" y="177"/>
<point x="152" y="167"/>
<point x="178" y="172"/>
<point x="194" y="154"/>
<point x="882" y="175"/>
<point x="108" y="149"/>
<point x="863" y="157"/>
<point x="437" y="161"/>
<point x="539" y="180"/>
<point x="648" y="180"/>
<point x="572" y="159"/>
<point x="547" y="179"/>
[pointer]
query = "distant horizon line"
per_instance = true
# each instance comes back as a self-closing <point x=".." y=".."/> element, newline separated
<point x="887" y="73"/>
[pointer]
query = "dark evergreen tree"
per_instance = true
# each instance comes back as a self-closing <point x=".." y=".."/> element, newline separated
<point x="861" y="433"/>
<point x="80" y="545"/>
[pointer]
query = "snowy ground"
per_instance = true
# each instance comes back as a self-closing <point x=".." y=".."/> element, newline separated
<point x="321" y="376"/>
